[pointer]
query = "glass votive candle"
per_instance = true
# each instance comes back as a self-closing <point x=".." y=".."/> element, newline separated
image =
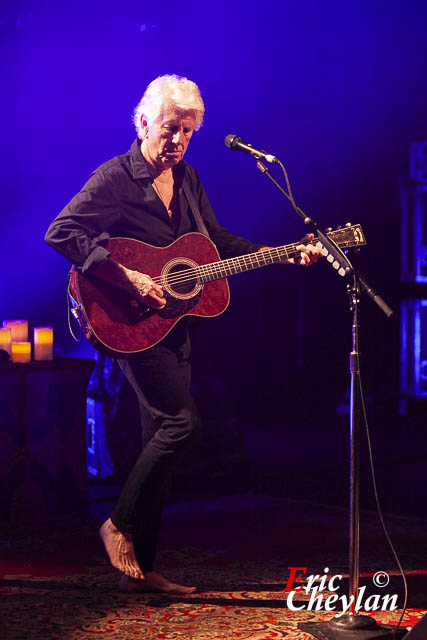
<point x="43" y="343"/>
<point x="19" y="329"/>
<point x="21" y="351"/>
<point x="5" y="339"/>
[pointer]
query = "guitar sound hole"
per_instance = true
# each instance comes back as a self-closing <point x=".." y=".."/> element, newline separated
<point x="181" y="279"/>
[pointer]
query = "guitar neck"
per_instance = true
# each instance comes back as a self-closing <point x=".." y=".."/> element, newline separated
<point x="247" y="262"/>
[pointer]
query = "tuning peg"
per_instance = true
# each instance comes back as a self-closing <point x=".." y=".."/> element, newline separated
<point x="348" y="224"/>
<point x="328" y="229"/>
<point x="339" y="227"/>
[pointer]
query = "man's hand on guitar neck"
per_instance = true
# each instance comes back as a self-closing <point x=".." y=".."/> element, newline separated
<point x="139" y="285"/>
<point x="309" y="254"/>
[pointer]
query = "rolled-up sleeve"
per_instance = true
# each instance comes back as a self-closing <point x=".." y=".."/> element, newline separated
<point x="81" y="230"/>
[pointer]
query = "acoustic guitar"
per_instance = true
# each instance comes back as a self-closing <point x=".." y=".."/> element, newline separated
<point x="193" y="278"/>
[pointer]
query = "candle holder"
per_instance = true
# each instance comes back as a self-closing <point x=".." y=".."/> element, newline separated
<point x="43" y="343"/>
<point x="5" y="339"/>
<point x="18" y="328"/>
<point x="21" y="351"/>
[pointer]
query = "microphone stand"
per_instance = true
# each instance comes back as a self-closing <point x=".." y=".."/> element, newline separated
<point x="351" y="626"/>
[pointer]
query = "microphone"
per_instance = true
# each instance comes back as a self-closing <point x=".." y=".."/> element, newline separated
<point x="236" y="143"/>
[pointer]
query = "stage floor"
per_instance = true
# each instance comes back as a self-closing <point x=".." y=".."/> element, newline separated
<point x="238" y="549"/>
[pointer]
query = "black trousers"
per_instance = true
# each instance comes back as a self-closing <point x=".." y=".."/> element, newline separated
<point x="160" y="377"/>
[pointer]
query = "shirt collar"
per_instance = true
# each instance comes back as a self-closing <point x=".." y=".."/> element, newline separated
<point x="140" y="165"/>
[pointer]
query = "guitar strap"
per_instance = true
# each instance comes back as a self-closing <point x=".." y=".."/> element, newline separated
<point x="201" y="227"/>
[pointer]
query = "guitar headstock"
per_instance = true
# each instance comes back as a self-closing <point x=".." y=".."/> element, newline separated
<point x="347" y="237"/>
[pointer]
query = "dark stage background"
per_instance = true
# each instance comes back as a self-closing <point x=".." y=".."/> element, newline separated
<point x="337" y="90"/>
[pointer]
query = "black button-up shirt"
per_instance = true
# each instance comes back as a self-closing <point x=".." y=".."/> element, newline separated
<point x="119" y="201"/>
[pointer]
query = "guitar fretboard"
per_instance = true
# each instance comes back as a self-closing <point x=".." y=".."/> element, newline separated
<point x="345" y="238"/>
<point x="248" y="262"/>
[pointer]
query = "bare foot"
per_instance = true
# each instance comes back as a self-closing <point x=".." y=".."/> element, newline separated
<point x="153" y="583"/>
<point x="119" y="547"/>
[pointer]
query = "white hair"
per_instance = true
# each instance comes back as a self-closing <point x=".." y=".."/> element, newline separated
<point x="165" y="93"/>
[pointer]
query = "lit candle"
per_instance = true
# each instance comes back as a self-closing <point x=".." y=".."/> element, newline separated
<point x="43" y="343"/>
<point x="5" y="339"/>
<point x="21" y="351"/>
<point x="19" y="329"/>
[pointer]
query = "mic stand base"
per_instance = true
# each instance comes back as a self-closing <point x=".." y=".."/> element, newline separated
<point x="353" y="627"/>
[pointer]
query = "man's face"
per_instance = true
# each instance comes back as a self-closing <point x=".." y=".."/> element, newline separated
<point x="168" y="139"/>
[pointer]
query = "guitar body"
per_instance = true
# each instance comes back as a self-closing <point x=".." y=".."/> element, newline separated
<point x="117" y="324"/>
<point x="194" y="282"/>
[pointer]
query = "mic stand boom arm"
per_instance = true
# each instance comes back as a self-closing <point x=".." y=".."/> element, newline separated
<point x="332" y="248"/>
<point x="334" y="254"/>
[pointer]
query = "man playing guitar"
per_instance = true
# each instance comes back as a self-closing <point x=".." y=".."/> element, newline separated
<point x="141" y="195"/>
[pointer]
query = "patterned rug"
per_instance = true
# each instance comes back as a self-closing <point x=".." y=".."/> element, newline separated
<point x="57" y="584"/>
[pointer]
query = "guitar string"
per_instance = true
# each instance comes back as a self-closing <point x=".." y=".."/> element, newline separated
<point x="210" y="268"/>
<point x="230" y="263"/>
<point x="214" y="267"/>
